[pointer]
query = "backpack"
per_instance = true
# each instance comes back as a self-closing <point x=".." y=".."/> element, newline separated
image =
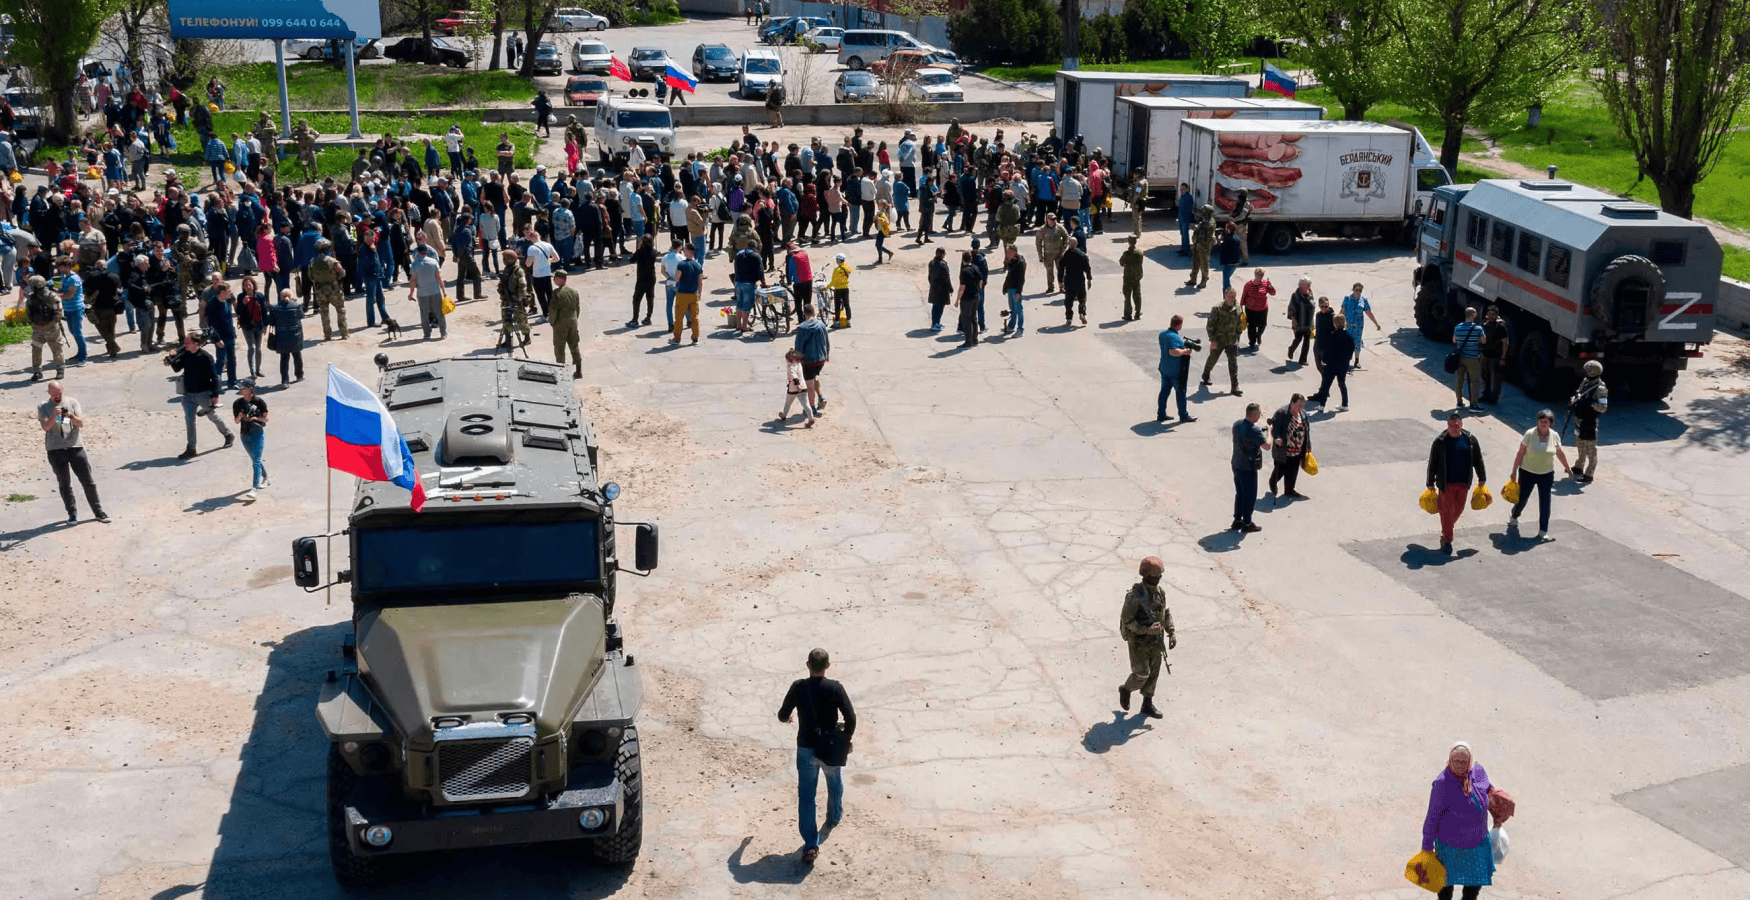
<point x="41" y="306"/>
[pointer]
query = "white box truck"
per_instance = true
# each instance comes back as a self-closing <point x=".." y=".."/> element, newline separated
<point x="1327" y="178"/>
<point x="1086" y="101"/>
<point x="1146" y="130"/>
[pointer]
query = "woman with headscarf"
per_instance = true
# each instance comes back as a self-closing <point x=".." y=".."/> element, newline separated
<point x="1456" y="828"/>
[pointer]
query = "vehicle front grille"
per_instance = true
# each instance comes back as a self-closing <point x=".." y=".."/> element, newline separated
<point x="496" y="769"/>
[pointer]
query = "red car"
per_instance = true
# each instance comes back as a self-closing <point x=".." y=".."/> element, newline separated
<point x="459" y="20"/>
<point x="585" y="90"/>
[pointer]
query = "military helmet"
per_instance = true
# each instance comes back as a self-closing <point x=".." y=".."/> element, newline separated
<point x="36" y="281"/>
<point x="1151" y="567"/>
<point x="323" y="244"/>
<point x="184" y="229"/>
<point x="1593" y="368"/>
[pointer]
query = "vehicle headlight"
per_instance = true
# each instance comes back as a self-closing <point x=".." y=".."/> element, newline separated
<point x="592" y="819"/>
<point x="378" y="835"/>
<point x="665" y="142"/>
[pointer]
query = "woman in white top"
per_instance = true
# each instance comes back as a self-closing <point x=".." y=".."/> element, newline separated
<point x="487" y="223"/>
<point x="1536" y="467"/>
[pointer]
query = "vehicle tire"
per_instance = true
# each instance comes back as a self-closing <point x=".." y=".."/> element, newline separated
<point x="603" y="26"/>
<point x="621" y="848"/>
<point x="313" y="53"/>
<point x="1279" y="239"/>
<point x="1646" y="382"/>
<point x="1537" y="365"/>
<point x="350" y="868"/>
<point x="855" y="62"/>
<point x="769" y="318"/>
<point x="1615" y="273"/>
<point x="1433" y="312"/>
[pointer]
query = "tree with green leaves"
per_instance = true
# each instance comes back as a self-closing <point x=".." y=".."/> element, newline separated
<point x="52" y="36"/>
<point x="1016" y="32"/>
<point x="1675" y="74"/>
<point x="1216" y="30"/>
<point x="1482" y="61"/>
<point x="1348" y="45"/>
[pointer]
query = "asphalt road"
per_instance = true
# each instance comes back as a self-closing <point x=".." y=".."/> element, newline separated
<point x="958" y="530"/>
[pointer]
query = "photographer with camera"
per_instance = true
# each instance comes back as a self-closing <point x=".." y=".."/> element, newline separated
<point x="200" y="387"/>
<point x="1176" y="350"/>
<point x="1147" y="626"/>
<point x="61" y="419"/>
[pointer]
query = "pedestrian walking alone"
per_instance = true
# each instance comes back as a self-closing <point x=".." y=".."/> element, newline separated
<point x="1453" y="458"/>
<point x="1255" y="297"/>
<point x="1249" y="443"/>
<point x="1014" y="282"/>
<point x="250" y="414"/>
<point x="1535" y="467"/>
<point x="200" y="389"/>
<point x="1456" y="828"/>
<point x="822" y="743"/>
<point x="1147" y="627"/>
<point x="1290" y="442"/>
<point x="61" y="418"/>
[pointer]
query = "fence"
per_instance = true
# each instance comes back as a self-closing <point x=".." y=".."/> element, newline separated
<point x="929" y="29"/>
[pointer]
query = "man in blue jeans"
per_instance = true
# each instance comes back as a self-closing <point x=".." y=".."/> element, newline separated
<point x="1175" y="369"/>
<point x="749" y="275"/>
<point x="820" y="701"/>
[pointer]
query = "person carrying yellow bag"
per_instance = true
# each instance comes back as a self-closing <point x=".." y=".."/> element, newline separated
<point x="1456" y="829"/>
<point x="1425" y="871"/>
<point x="1452" y="459"/>
<point x="1309" y="465"/>
<point x="1535" y="467"/>
<point x="1429" y="501"/>
<point x="1290" y="447"/>
<point x="1510" y="491"/>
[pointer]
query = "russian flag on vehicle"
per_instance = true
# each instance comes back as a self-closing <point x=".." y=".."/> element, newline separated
<point x="1277" y="81"/>
<point x="679" y="79"/>
<point x="363" y="439"/>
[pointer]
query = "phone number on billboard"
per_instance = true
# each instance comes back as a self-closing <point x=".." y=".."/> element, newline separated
<point x="302" y="23"/>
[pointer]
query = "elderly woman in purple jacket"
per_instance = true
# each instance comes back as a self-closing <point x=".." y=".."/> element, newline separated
<point x="1457" y="826"/>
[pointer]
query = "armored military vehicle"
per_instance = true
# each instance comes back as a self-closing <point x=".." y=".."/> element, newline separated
<point x="485" y="694"/>
<point x="1577" y="274"/>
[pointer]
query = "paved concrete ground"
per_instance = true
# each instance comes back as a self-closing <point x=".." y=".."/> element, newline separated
<point x="958" y="530"/>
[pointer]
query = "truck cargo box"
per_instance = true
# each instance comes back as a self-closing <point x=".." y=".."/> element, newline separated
<point x="1087" y="101"/>
<point x="1146" y="129"/>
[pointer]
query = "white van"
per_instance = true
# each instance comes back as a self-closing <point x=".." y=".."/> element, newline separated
<point x="624" y="122"/>
<point x="761" y="70"/>
<point x="859" y="47"/>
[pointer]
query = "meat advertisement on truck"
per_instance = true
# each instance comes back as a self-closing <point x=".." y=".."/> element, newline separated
<point x="1337" y="179"/>
<point x="1147" y="130"/>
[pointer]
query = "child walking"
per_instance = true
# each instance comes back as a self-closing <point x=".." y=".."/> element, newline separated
<point x="796" y="388"/>
<point x="883" y="227"/>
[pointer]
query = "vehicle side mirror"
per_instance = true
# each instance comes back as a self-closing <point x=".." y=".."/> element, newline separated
<point x="645" y="547"/>
<point x="306" y="565"/>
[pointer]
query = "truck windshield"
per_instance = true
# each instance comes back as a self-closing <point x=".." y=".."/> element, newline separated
<point x="642" y="118"/>
<point x="471" y="556"/>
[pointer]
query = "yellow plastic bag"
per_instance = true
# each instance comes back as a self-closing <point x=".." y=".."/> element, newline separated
<point x="212" y="107"/>
<point x="1309" y="465"/>
<point x="17" y="316"/>
<point x="1430" y="501"/>
<point x="1480" y="498"/>
<point x="1425" y="871"/>
<point x="449" y="305"/>
<point x="94" y="172"/>
<point x="230" y="168"/>
<point x="15" y="177"/>
<point x="1510" y="490"/>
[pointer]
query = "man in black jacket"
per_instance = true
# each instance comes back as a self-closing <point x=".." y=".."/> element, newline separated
<point x="1074" y="272"/>
<point x="200" y="389"/>
<point x="941" y="288"/>
<point x="820" y="744"/>
<point x="1452" y="458"/>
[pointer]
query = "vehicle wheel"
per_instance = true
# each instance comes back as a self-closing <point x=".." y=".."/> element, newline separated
<point x="1647" y="382"/>
<point x="1279" y="239"/>
<point x="603" y="26"/>
<point x="1433" y="315"/>
<point x="350" y="869"/>
<point x="855" y="62"/>
<point x="1537" y="365"/>
<point x="623" y="846"/>
<point x="769" y="320"/>
<point x="313" y="53"/>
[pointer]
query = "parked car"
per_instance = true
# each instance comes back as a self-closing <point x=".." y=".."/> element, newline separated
<point x="27" y="112"/>
<point x="462" y="20"/>
<point x="585" y="90"/>
<point x="932" y="85"/>
<point x="367" y="48"/>
<point x="575" y="19"/>
<point x="854" y="86"/>
<point x="761" y="69"/>
<point x="547" y="59"/>
<point x="787" y="30"/>
<point x="591" y="56"/>
<point x="438" y="52"/>
<point x="825" y="40"/>
<point x="901" y="63"/>
<point x="647" y="63"/>
<point x="715" y="62"/>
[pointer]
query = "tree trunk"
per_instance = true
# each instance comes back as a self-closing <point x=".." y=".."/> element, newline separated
<point x="1450" y="146"/>
<point x="1355" y="111"/>
<point x="497" y="42"/>
<point x="1072" y="34"/>
<point x="1678" y="198"/>
<point x="65" y="126"/>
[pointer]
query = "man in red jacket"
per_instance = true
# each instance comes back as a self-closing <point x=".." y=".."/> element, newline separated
<point x="1255" y="297"/>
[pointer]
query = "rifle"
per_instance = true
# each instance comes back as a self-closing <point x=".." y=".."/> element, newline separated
<point x="1145" y="620"/>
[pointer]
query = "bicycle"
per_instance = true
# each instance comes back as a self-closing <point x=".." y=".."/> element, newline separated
<point x="773" y="316"/>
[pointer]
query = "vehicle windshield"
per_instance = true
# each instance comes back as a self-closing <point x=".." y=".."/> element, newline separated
<point x="546" y="49"/>
<point x="762" y="66"/>
<point x="593" y="49"/>
<point x="586" y="84"/>
<point x="859" y="78"/>
<point x="472" y="556"/>
<point x="642" y="118"/>
<point x="718" y="53"/>
<point x="441" y="44"/>
<point x="936" y="78"/>
<point x="646" y="54"/>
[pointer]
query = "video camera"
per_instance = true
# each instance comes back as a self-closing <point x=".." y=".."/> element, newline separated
<point x="1192" y="344"/>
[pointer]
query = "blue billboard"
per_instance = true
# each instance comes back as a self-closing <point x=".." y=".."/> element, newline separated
<point x="269" y="19"/>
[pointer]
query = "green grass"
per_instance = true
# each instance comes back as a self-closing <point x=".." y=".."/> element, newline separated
<point x="1469" y="174"/>
<point x="20" y="498"/>
<point x="13" y="334"/>
<point x="654" y="17"/>
<point x="1737" y="263"/>
<point x="314" y="85"/>
<point x="1048" y="71"/>
<point x="338" y="161"/>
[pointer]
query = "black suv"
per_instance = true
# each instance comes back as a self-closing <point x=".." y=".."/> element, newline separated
<point x="437" y="51"/>
<point x="715" y="62"/>
<point x="648" y="63"/>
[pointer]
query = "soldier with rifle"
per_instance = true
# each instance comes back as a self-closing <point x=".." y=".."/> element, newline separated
<point x="1147" y="626"/>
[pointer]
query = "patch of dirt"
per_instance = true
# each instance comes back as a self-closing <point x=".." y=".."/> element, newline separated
<point x="111" y="717"/>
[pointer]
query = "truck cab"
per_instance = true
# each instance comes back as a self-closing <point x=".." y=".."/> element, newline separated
<point x="622" y="123"/>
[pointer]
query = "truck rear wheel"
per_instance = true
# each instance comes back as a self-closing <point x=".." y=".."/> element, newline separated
<point x="1649" y="382"/>
<point x="1538" y="374"/>
<point x="622" y="847"/>
<point x="1279" y="239"/>
<point x="350" y="868"/>
<point x="1433" y="313"/>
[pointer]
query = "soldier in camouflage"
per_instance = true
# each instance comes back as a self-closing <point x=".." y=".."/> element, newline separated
<point x="513" y="302"/>
<point x="306" y="138"/>
<point x="269" y="136"/>
<point x="192" y="256"/>
<point x="1147" y="626"/>
<point x="326" y="277"/>
<point x="1137" y="197"/>
<point x="1009" y="221"/>
<point x="43" y="307"/>
<point x="1050" y="242"/>
<point x="1131" y="262"/>
<point x="576" y="133"/>
<point x="1202" y="242"/>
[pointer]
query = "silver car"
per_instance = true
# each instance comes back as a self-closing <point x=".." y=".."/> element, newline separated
<point x="591" y="56"/>
<point x="855" y="85"/>
<point x="933" y="85"/>
<point x="825" y="40"/>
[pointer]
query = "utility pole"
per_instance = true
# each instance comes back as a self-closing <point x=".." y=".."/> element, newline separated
<point x="1072" y="34"/>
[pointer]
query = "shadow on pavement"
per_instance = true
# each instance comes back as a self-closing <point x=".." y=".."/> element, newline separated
<point x="159" y="463"/>
<point x="1103" y="736"/>
<point x="273" y="839"/>
<point x="11" y="539"/>
<point x="1513" y="541"/>
<point x="1417" y="556"/>
<point x="773" y="868"/>
<point x="1223" y="541"/>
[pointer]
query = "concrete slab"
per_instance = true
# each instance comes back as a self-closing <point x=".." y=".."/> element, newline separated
<point x="1712" y="810"/>
<point x="1600" y="618"/>
<point x="1363" y="442"/>
<point x="1142" y="345"/>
